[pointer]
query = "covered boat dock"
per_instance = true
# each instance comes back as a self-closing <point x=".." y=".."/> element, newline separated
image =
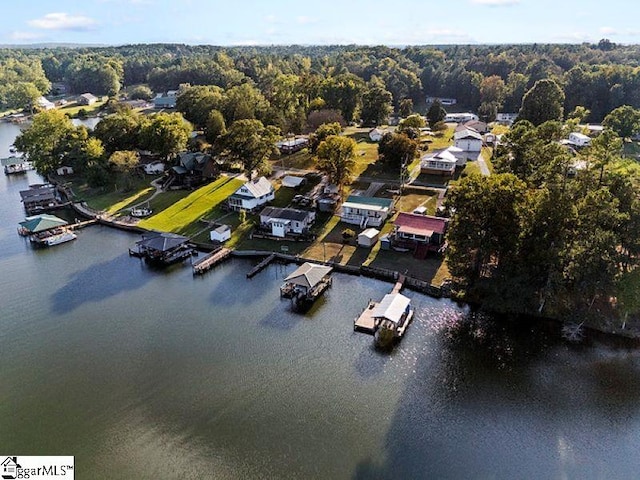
<point x="161" y="248"/>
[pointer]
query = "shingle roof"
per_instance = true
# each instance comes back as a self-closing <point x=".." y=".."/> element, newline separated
<point x="285" y="213"/>
<point x="308" y="275"/>
<point x="162" y="242"/>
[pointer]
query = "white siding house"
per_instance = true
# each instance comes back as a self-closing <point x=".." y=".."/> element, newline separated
<point x="376" y="134"/>
<point x="442" y="163"/>
<point x="281" y="222"/>
<point x="460" y="117"/>
<point x="366" y="211"/>
<point x="468" y="140"/>
<point x="252" y="195"/>
<point x="579" y="139"/>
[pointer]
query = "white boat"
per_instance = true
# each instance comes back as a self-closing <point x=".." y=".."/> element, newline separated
<point x="140" y="212"/>
<point x="56" y="237"/>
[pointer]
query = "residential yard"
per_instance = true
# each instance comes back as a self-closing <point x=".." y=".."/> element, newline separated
<point x="302" y="160"/>
<point x="179" y="216"/>
<point x="73" y="108"/>
<point x="103" y="198"/>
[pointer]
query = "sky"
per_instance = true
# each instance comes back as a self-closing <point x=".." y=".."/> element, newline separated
<point x="285" y="22"/>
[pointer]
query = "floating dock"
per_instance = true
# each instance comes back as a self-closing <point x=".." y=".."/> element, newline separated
<point x="261" y="266"/>
<point x="211" y="260"/>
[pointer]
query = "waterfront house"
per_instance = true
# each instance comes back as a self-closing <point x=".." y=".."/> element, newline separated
<point x="252" y="195"/>
<point x="87" y="99"/>
<point x="418" y="234"/>
<point x="192" y="169"/>
<point x="293" y="145"/>
<point x="441" y="163"/>
<point x="44" y="104"/>
<point x="281" y="222"/>
<point x="39" y="198"/>
<point x="220" y="234"/>
<point x="366" y="211"/>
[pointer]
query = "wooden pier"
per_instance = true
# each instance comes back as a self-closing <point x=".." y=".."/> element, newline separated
<point x="211" y="260"/>
<point x="261" y="266"/>
<point x="79" y="225"/>
<point x="365" y="323"/>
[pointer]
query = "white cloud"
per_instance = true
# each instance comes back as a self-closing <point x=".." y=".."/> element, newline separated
<point x="304" y="20"/>
<point x="495" y="3"/>
<point x="64" y="21"/>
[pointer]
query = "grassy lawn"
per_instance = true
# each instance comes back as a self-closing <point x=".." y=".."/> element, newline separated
<point x="409" y="201"/>
<point x="302" y="160"/>
<point x="104" y="198"/>
<point x="131" y="200"/>
<point x="471" y="168"/>
<point x="72" y="108"/>
<point x="180" y="215"/>
<point x="442" y="140"/>
<point x="498" y="129"/>
<point x="487" y="154"/>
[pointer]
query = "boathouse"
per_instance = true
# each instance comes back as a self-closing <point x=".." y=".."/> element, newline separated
<point x="46" y="230"/>
<point x="39" y="198"/>
<point x="161" y="248"/>
<point x="393" y="312"/>
<point x="306" y="284"/>
<point x="15" y="164"/>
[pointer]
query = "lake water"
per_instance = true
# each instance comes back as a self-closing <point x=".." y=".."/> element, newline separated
<point x="147" y="374"/>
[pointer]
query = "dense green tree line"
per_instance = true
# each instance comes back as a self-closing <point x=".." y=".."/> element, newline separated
<point x="552" y="232"/>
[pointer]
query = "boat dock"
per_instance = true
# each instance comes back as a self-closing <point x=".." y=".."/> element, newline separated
<point x="261" y="266"/>
<point x="211" y="260"/>
<point x="79" y="225"/>
<point x="365" y="322"/>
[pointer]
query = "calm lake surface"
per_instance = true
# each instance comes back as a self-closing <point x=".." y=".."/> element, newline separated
<point x="146" y="374"/>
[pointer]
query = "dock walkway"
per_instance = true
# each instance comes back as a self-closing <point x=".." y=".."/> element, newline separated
<point x="211" y="260"/>
<point x="261" y="266"/>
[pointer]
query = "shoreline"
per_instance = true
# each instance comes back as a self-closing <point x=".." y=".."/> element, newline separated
<point x="389" y="276"/>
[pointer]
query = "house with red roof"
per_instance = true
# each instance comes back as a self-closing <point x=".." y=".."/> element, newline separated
<point x="419" y="233"/>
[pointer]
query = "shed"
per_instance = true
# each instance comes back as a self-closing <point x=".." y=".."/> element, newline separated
<point x="368" y="238"/>
<point x="220" y="234"/>
<point x="385" y="242"/>
<point x="292" y="181"/>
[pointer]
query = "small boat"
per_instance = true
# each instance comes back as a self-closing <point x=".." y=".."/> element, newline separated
<point x="140" y="212"/>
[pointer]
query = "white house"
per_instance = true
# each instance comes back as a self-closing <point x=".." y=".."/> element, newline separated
<point x="506" y="118"/>
<point x="376" y="134"/>
<point x="368" y="238"/>
<point x="579" y="139"/>
<point x="442" y="163"/>
<point x="44" y="104"/>
<point x="153" y="168"/>
<point x="468" y="140"/>
<point x="460" y="117"/>
<point x="281" y="222"/>
<point x="220" y="234"/>
<point x="87" y="99"/>
<point x="252" y="195"/>
<point x="366" y="211"/>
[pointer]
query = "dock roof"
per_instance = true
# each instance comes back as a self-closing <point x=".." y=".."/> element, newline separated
<point x="162" y="242"/>
<point x="38" y="193"/>
<point x="41" y="223"/>
<point x="392" y="307"/>
<point x="308" y="275"/>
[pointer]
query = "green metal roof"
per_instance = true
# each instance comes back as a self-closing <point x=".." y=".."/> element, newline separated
<point x="378" y="202"/>
<point x="40" y="223"/>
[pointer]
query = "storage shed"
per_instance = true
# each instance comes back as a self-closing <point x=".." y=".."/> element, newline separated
<point x="368" y="238"/>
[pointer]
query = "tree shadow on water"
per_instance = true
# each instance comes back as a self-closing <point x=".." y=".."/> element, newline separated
<point x="98" y="282"/>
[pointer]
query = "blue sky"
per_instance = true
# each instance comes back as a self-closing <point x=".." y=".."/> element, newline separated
<point x="372" y="22"/>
